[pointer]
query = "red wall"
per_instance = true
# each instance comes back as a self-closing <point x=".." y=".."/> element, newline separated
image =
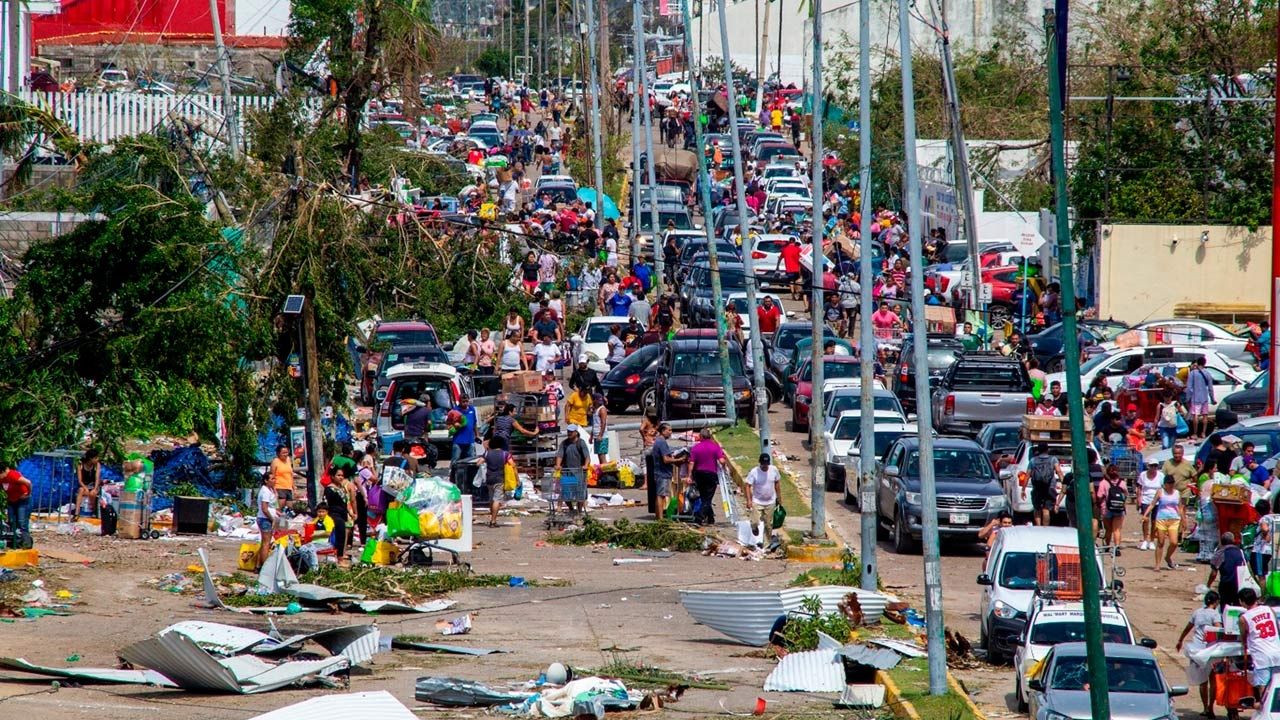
<point x="80" y="17"/>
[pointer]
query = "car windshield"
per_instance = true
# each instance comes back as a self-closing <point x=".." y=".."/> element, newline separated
<point x="680" y="219"/>
<point x="704" y="362"/>
<point x="740" y="304"/>
<point x="1096" y="361"/>
<point x="1124" y="675"/>
<point x="787" y="337"/>
<point x="394" y="358"/>
<point x="1006" y="437"/>
<point x="956" y="464"/>
<point x="853" y="401"/>
<point x="1052" y="633"/>
<point x="559" y="193"/>
<point x="598" y="333"/>
<point x="1260" y="381"/>
<point x="1108" y="332"/>
<point x="833" y="370"/>
<point x="770" y="246"/>
<point x="885" y="439"/>
<point x="639" y="360"/>
<point x="1018" y="571"/>
<point x="407" y="337"/>
<point x="941" y="358"/>
<point x="1007" y="377"/>
<point x="848" y="428"/>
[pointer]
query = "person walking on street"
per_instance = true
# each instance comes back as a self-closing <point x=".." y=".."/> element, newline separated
<point x="464" y="431"/>
<point x="1258" y="630"/>
<point x="1046" y="473"/>
<point x="571" y="459"/>
<point x="1226" y="564"/>
<point x="1199" y="396"/>
<point x="764" y="492"/>
<point x="1112" y="496"/>
<point x="1198" y="674"/>
<point x="665" y="461"/>
<point x="495" y="466"/>
<point x="706" y="457"/>
<point x="1164" y="514"/>
<point x="1149" y="483"/>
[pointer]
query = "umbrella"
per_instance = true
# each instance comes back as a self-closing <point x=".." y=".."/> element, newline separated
<point x="588" y="195"/>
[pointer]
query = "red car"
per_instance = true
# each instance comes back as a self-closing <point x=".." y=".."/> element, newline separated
<point x="834" y="367"/>
<point x="388" y="335"/>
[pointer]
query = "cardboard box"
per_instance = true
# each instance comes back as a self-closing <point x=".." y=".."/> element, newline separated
<point x="940" y="319"/>
<point x="523" y="381"/>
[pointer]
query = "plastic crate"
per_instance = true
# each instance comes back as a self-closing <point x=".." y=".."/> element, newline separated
<point x="1058" y="573"/>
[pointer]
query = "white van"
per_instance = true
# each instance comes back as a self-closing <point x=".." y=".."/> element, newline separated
<point x="1009" y="584"/>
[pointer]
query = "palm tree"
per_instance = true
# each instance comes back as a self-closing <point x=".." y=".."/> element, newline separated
<point x="24" y="127"/>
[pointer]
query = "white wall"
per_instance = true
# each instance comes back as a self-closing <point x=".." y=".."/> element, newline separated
<point x="262" y="17"/>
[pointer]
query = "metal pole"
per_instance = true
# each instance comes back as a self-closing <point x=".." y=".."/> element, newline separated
<point x="542" y="48"/>
<point x="761" y="394"/>
<point x="524" y="65"/>
<point x="224" y="71"/>
<point x="817" y="455"/>
<point x="924" y="419"/>
<point x="963" y="179"/>
<point x="635" y="134"/>
<point x="1274" y="387"/>
<point x="1056" y="26"/>
<point x="780" y="14"/>
<point x="867" y="461"/>
<point x="647" y="130"/>
<point x="596" y="123"/>
<point x="713" y="259"/>
<point x="311" y="369"/>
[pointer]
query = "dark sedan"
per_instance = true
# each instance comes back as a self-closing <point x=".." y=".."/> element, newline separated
<point x="1243" y="404"/>
<point x="942" y="353"/>
<point x="1046" y="345"/>
<point x="628" y="382"/>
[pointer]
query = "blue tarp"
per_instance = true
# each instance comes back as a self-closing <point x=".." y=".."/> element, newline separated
<point x="277" y="434"/>
<point x="588" y="195"/>
<point x="53" y="481"/>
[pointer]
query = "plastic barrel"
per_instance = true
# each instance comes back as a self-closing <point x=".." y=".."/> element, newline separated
<point x="390" y="439"/>
<point x="130" y="521"/>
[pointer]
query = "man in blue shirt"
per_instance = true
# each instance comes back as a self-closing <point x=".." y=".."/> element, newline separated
<point x="464" y="433"/>
<point x="645" y="274"/>
<point x="619" y="304"/>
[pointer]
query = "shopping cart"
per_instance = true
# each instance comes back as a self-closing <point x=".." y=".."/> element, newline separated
<point x="565" y="487"/>
<point x="888" y="344"/>
<point x="1127" y="461"/>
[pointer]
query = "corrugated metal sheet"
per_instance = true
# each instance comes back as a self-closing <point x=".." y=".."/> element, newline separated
<point x="379" y="705"/>
<point x="747" y="616"/>
<point x="276" y="574"/>
<point x="879" y="659"/>
<point x="450" y="649"/>
<point x="318" y="593"/>
<point x="357" y="643"/>
<point x="384" y="606"/>
<point x="855" y="696"/>
<point x="811" y="671"/>
<point x="900" y="647"/>
<point x="91" y="675"/>
<point x="826" y="642"/>
<point x="218" y="638"/>
<point x="178" y="658"/>
<point x="294" y="672"/>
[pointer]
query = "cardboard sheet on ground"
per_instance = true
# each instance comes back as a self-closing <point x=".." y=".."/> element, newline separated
<point x="380" y="705"/>
<point x="180" y="659"/>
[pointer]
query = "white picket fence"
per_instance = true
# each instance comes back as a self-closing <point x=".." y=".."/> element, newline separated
<point x="104" y="116"/>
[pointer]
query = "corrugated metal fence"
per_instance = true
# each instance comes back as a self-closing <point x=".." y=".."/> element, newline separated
<point x="105" y="116"/>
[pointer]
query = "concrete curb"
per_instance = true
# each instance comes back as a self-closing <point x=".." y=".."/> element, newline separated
<point x="958" y="689"/>
<point x="893" y="698"/>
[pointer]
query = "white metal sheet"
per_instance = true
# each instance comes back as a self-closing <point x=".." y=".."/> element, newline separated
<point x="379" y="705"/>
<point x="91" y="675"/>
<point x="809" y="671"/>
<point x="218" y="638"/>
<point x="747" y="616"/>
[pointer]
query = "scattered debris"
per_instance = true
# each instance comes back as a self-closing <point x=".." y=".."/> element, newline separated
<point x="875" y="659"/>
<point x="178" y="658"/>
<point x="802" y="627"/>
<point x="410" y="644"/>
<point x="67" y="556"/>
<point x="749" y="616"/>
<point x="905" y="649"/>
<point x="861" y="696"/>
<point x="631" y="561"/>
<point x="109" y="676"/>
<point x="379" y="704"/>
<point x="455" y="692"/>
<point x="390" y="606"/>
<point x="460" y="625"/>
<point x="661" y="535"/>
<point x="643" y="675"/>
<point x="808" y="671"/>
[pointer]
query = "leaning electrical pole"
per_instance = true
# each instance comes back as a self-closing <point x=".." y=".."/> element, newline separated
<point x="924" y="420"/>
<point x="595" y="122"/>
<point x="224" y="72"/>
<point x="713" y="256"/>
<point x="636" y="116"/>
<point x="866" y="461"/>
<point x="817" y="454"/>
<point x="1055" y="21"/>
<point x="760" y="392"/>
<point x="960" y="158"/>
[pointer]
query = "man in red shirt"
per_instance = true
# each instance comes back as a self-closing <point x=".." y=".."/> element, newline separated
<point x="768" y="316"/>
<point x="789" y="259"/>
<point x="18" y="494"/>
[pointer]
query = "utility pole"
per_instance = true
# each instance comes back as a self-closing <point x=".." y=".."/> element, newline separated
<point x="761" y="55"/>
<point x="780" y="14"/>
<point x="595" y="124"/>
<point x="1055" y="21"/>
<point x="524" y="65"/>
<point x="963" y="179"/>
<point x="15" y="45"/>
<point x="542" y="45"/>
<point x="603" y="60"/>
<point x="867" y="341"/>
<point x="636" y="115"/>
<point x="713" y="257"/>
<point x="229" y="115"/>
<point x="928" y="491"/>
<point x="311" y="366"/>
<point x="817" y="454"/>
<point x="759" y="391"/>
<point x="1274" y="386"/>
<point x="647" y="129"/>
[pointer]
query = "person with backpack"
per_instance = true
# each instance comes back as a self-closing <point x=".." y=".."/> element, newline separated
<point x="1113" y="496"/>
<point x="1167" y="415"/>
<point x="495" y="467"/>
<point x="1226" y="564"/>
<point x="1045" y="475"/>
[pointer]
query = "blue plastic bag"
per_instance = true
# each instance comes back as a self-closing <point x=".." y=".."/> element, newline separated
<point x="1183" y="428"/>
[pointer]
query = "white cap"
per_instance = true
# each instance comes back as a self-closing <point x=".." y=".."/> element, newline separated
<point x="582" y="358"/>
<point x="574" y="429"/>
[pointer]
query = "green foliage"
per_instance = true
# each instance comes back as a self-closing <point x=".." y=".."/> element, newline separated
<point x="660" y="535"/>
<point x="802" y="628"/>
<point x="388" y="583"/>
<point x="494" y="62"/>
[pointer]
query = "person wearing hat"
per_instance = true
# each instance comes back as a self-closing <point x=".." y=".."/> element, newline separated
<point x="764" y="490"/>
<point x="577" y="407"/>
<point x="571" y="458"/>
<point x="584" y="377"/>
<point x="1149" y="481"/>
<point x="1226" y="563"/>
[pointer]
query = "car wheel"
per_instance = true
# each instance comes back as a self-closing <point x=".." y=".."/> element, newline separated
<point x="903" y="544"/>
<point x="649" y="401"/>
<point x="852" y="499"/>
<point x="984" y="641"/>
<point x="1019" y="701"/>
<point x="882" y="531"/>
<point x="999" y="314"/>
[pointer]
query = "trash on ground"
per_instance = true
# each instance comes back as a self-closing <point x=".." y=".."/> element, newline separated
<point x="881" y="659"/>
<point x="398" y="644"/>
<point x="378" y="704"/>
<point x="631" y="561"/>
<point x="460" y="625"/>
<point x="808" y="671"/>
<point x="906" y="649"/>
<point x="861" y="696"/>
<point x="749" y="616"/>
<point x="455" y="692"/>
<point x="180" y="659"/>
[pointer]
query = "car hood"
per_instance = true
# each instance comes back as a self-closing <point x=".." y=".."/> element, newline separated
<point x="1124" y="706"/>
<point x="703" y="382"/>
<point x="957" y="486"/>
<point x="839" y="448"/>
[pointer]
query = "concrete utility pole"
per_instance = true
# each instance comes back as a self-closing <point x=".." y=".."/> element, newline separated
<point x="760" y="392"/>
<point x="761" y="55"/>
<point x="15" y="45"/>
<point x="1271" y="352"/>
<point x="817" y="455"/>
<point x="224" y="71"/>
<point x="924" y="419"/>
<point x="524" y="65"/>
<point x="647" y="130"/>
<point x="963" y="179"/>
<point x="604" y="59"/>
<point x="636" y="115"/>
<point x="315" y="433"/>
<point x="597" y="153"/>
<point x="1055" y="21"/>
<point x="713" y="257"/>
<point x="866" y="461"/>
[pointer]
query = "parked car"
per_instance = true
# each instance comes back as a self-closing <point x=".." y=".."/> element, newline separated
<point x="1016" y="475"/>
<point x="440" y="383"/>
<point x="1053" y="622"/>
<point x="835" y="367"/>
<point x="402" y="354"/>
<point x="968" y="494"/>
<point x="632" y="381"/>
<point x="1137" y="688"/>
<point x="700" y="302"/>
<point x="979" y="388"/>
<point x="689" y="385"/>
<point x="1046" y="345"/>
<point x="841" y="434"/>
<point x="1194" y="333"/>
<point x="1001" y="439"/>
<point x="1116" y="364"/>
<point x="942" y="353"/>
<point x="766" y="251"/>
<point x="738" y="300"/>
<point x="386" y="336"/>
<point x="1244" y="404"/>
<point x="592" y="339"/>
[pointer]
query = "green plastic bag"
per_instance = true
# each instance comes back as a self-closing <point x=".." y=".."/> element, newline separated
<point x="370" y="547"/>
<point x="779" y="516"/>
<point x="673" y="508"/>
<point x="401" y="522"/>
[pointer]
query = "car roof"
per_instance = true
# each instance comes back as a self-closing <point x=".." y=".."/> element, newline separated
<point x="874" y="413"/>
<point x="1022" y="538"/>
<point x="857" y="390"/>
<point x="607" y="320"/>
<point x="685" y="344"/>
<point x="426" y="368"/>
<point x="1111" y="650"/>
<point x="1255" y="422"/>
<point x="899" y="427"/>
<point x="1075" y="610"/>
<point x="952" y="443"/>
<point x="403" y="325"/>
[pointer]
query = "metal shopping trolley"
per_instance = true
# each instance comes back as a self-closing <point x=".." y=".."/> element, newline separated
<point x="1127" y="461"/>
<point x="567" y="487"/>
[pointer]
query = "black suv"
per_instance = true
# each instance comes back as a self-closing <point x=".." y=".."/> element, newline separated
<point x="942" y="352"/>
<point x="969" y="494"/>
<point x="689" y="386"/>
